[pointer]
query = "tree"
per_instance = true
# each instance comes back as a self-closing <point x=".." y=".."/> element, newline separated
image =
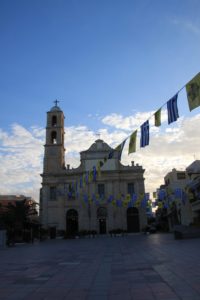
<point x="16" y="218"/>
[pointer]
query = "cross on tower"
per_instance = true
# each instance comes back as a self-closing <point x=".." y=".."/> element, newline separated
<point x="98" y="135"/>
<point x="56" y="102"/>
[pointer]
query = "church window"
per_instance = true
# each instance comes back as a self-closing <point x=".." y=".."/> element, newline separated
<point x="54" y="137"/>
<point x="130" y="188"/>
<point x="52" y="193"/>
<point x="101" y="190"/>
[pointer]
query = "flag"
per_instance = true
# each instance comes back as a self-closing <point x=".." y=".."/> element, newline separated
<point x="178" y="193"/>
<point x="132" y="142"/>
<point x="90" y="176"/>
<point x="193" y="92"/>
<point x="83" y="180"/>
<point x="161" y="194"/>
<point x="157" y="117"/>
<point x="94" y="173"/>
<point x="119" y="148"/>
<point x="134" y="197"/>
<point x="87" y="177"/>
<point x="110" y="199"/>
<point x="172" y="109"/>
<point x="81" y="183"/>
<point x="98" y="169"/>
<point x="85" y="198"/>
<point x="154" y="194"/>
<point x="99" y="165"/>
<point x="110" y="154"/>
<point x="144" y="139"/>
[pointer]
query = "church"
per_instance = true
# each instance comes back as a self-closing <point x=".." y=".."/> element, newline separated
<point x="100" y="195"/>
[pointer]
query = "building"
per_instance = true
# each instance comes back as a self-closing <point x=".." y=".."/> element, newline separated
<point x="12" y="199"/>
<point x="95" y="196"/>
<point x="19" y="217"/>
<point x="179" y="208"/>
<point x="179" y="198"/>
<point x="193" y="188"/>
<point x="6" y="200"/>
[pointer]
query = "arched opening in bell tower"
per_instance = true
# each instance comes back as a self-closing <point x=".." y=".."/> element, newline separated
<point x="54" y="137"/>
<point x="54" y="121"/>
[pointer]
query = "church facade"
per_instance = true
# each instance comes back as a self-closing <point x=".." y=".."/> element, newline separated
<point x="97" y="195"/>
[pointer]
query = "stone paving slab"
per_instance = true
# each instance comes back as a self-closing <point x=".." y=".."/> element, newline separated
<point x="136" y="267"/>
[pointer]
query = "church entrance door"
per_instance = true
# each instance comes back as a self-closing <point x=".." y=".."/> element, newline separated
<point x="102" y="226"/>
<point x="101" y="216"/>
<point x="72" y="222"/>
<point x="133" y="223"/>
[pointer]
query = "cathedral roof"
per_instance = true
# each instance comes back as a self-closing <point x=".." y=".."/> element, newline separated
<point x="99" y="145"/>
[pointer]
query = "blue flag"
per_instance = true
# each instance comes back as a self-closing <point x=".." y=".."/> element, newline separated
<point x="144" y="139"/>
<point x="94" y="173"/>
<point x="110" y="154"/>
<point x="161" y="194"/>
<point x="81" y="183"/>
<point x="172" y="109"/>
<point x="110" y="199"/>
<point x="178" y="193"/>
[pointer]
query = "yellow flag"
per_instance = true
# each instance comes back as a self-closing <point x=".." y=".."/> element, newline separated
<point x="157" y="116"/>
<point x="154" y="194"/>
<point x="193" y="92"/>
<point x="132" y="142"/>
<point x="90" y="176"/>
<point x="128" y="197"/>
<point x="99" y="168"/>
<point x="83" y="179"/>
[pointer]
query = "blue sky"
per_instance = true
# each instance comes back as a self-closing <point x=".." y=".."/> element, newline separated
<point x="103" y="60"/>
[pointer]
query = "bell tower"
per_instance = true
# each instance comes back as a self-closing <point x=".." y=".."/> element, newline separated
<point x="54" y="156"/>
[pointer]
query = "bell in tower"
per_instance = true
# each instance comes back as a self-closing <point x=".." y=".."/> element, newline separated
<point x="54" y="157"/>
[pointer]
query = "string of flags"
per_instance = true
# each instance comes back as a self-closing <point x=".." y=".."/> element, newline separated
<point x="72" y="191"/>
<point x="165" y="198"/>
<point x="193" y="96"/>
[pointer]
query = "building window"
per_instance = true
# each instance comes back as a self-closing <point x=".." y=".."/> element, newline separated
<point x="71" y="192"/>
<point x="101" y="212"/>
<point x="130" y="188"/>
<point x="181" y="175"/>
<point x="52" y="193"/>
<point x="101" y="190"/>
<point x="167" y="181"/>
<point x="54" y="137"/>
<point x="54" y="121"/>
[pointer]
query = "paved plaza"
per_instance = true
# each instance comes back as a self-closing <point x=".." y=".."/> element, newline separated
<point x="138" y="267"/>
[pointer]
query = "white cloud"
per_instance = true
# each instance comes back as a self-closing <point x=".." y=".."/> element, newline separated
<point x="21" y="151"/>
<point x="133" y="122"/>
<point x="21" y="161"/>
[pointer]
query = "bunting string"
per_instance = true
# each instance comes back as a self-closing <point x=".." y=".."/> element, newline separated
<point x="77" y="188"/>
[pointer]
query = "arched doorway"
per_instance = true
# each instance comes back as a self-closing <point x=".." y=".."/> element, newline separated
<point x="133" y="222"/>
<point x="101" y="216"/>
<point x="72" y="222"/>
